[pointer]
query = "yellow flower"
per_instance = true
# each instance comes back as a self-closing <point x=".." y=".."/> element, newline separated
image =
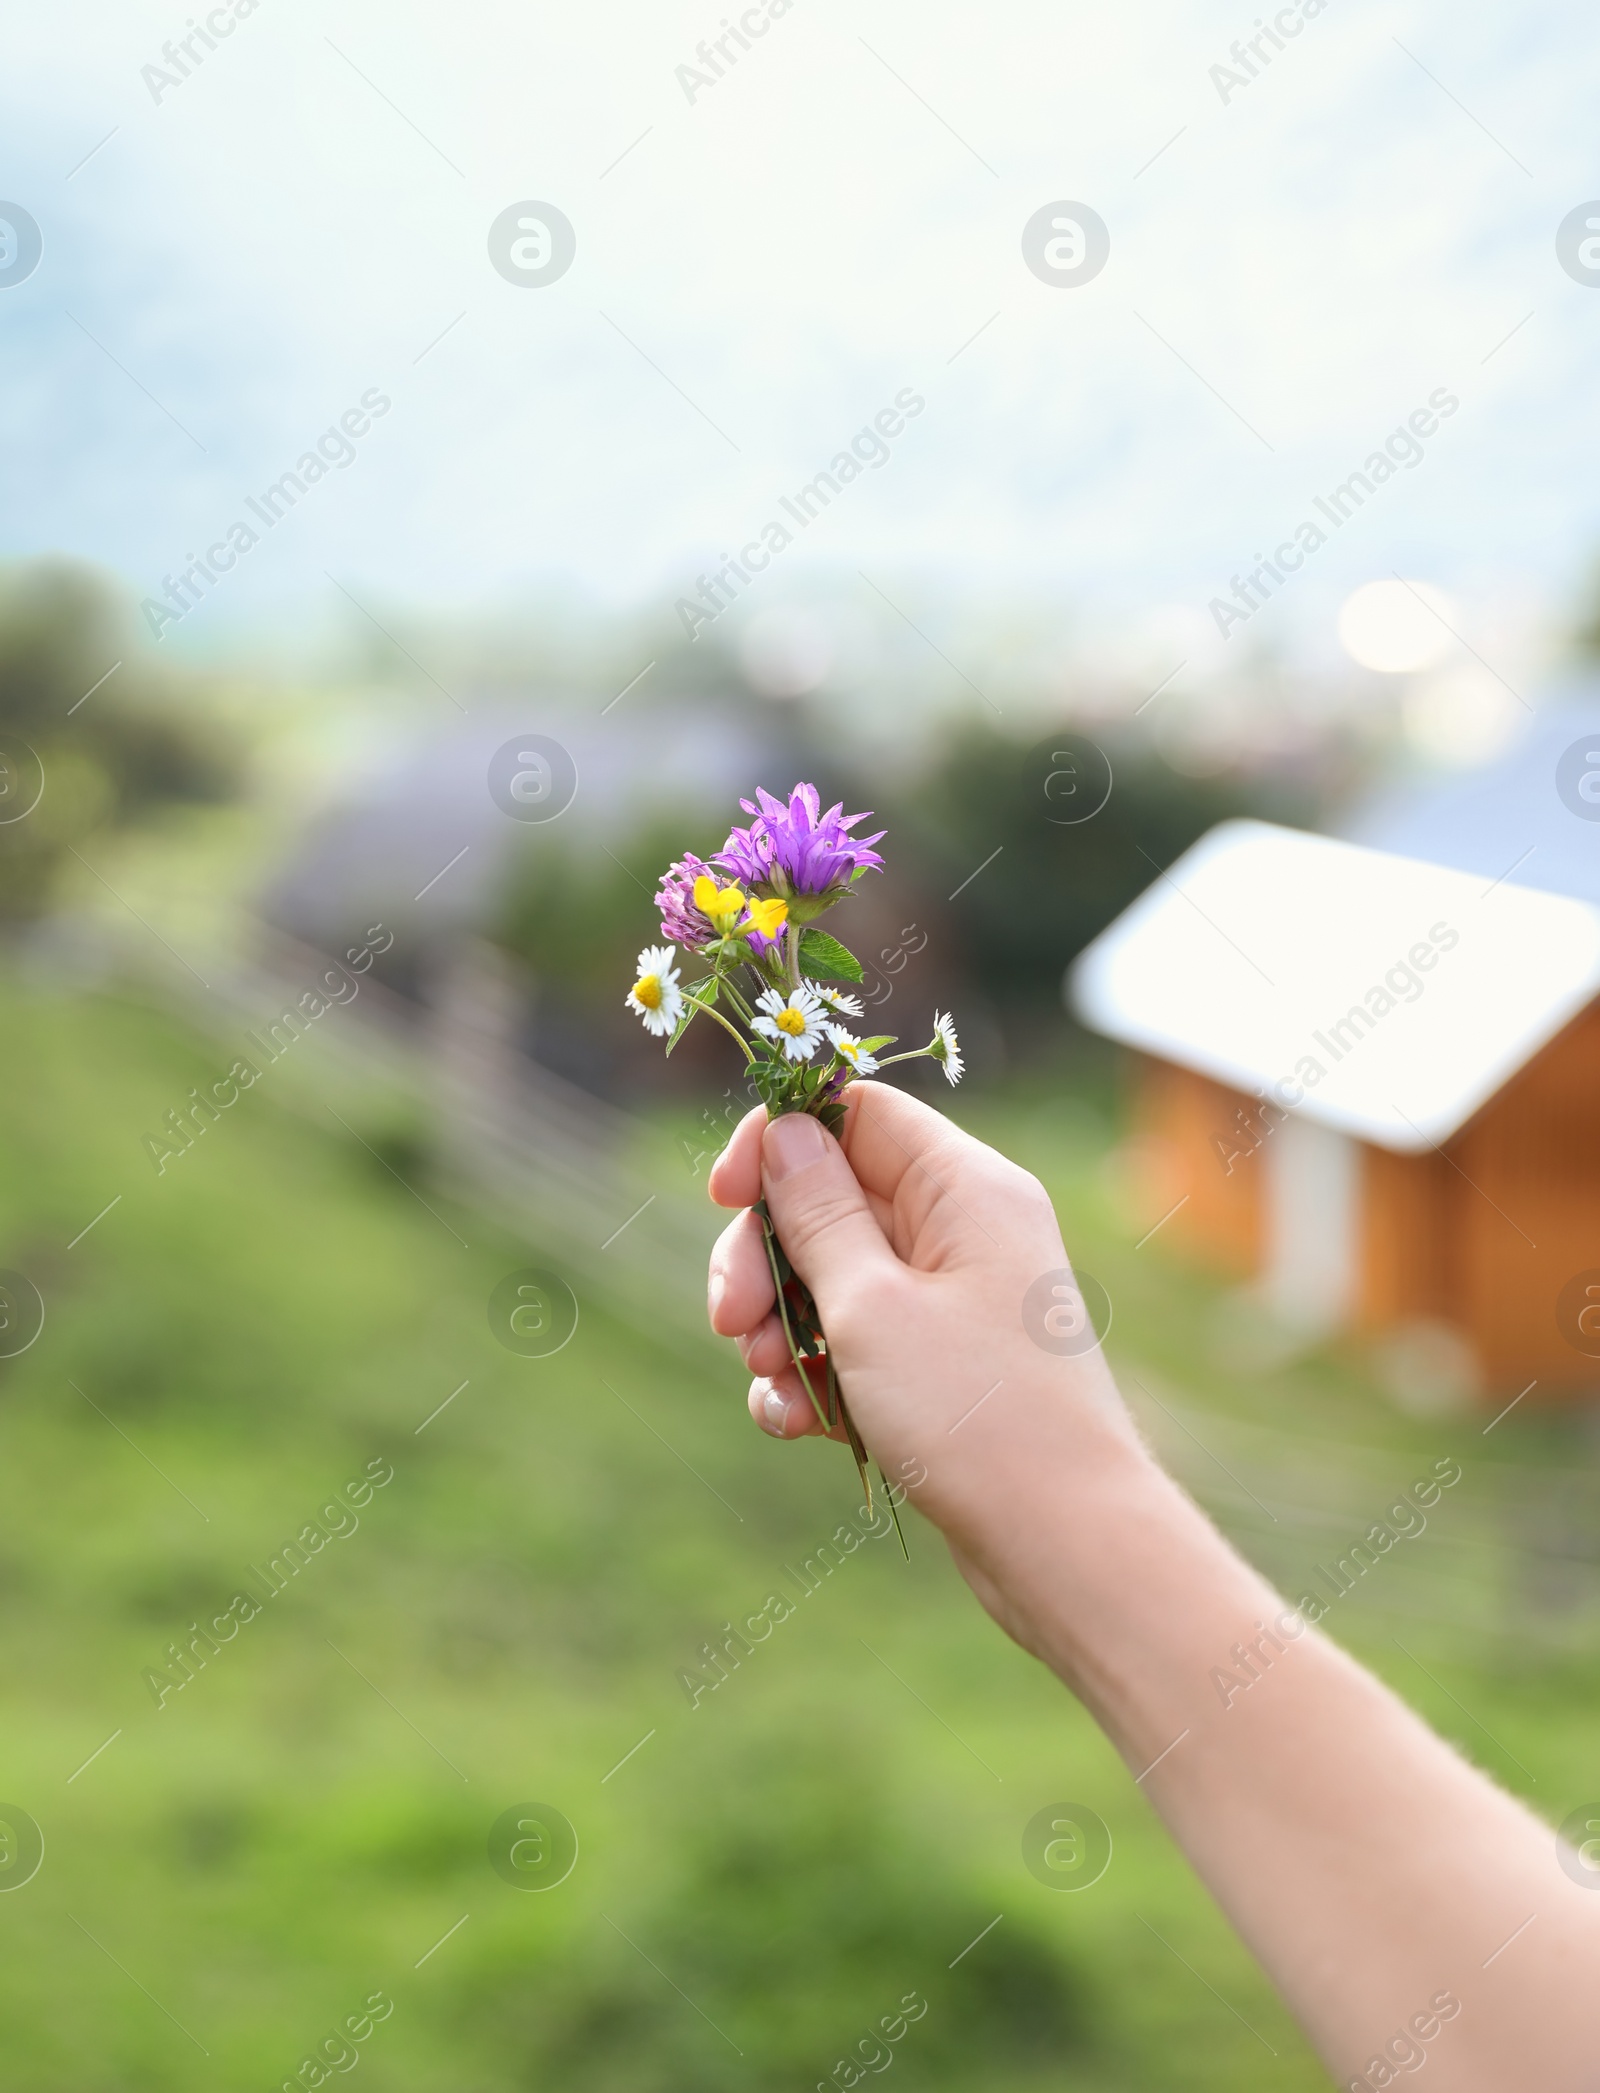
<point x="725" y="910"/>
<point x="723" y="905"/>
<point x="767" y="918"/>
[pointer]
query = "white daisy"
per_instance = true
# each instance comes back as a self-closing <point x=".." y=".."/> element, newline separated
<point x="946" y="1049"/>
<point x="793" y="1022"/>
<point x="836" y="999"/>
<point x="656" y="996"/>
<point x="851" y="1052"/>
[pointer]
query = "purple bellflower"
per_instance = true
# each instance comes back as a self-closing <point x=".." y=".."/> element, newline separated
<point x="799" y="852"/>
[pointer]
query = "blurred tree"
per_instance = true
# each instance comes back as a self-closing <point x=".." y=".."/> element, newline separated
<point x="1586" y="633"/>
<point x="576" y="912"/>
<point x="1049" y="887"/>
<point x="70" y="762"/>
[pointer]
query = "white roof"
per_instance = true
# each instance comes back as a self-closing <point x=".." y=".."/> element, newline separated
<point x="1282" y="962"/>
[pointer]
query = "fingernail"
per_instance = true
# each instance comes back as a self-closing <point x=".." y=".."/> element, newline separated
<point x="792" y="1142"/>
<point x="714" y="1294"/>
<point x="774" y="1413"/>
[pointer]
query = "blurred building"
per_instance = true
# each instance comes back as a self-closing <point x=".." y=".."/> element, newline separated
<point x="415" y="836"/>
<point x="1367" y="1082"/>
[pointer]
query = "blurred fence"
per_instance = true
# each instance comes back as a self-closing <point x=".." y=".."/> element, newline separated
<point x="1509" y="1554"/>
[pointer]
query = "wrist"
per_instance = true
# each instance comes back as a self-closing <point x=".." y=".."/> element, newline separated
<point x="1034" y="1510"/>
<point x="1107" y="1572"/>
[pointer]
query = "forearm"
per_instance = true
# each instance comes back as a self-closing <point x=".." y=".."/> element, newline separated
<point x="1371" y="1870"/>
<point x="1368" y="1867"/>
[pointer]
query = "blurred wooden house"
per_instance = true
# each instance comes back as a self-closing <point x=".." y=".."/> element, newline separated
<point x="1372" y="1085"/>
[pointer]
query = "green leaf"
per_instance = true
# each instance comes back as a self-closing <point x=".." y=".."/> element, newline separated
<point x="879" y="1039"/>
<point x="825" y="959"/>
<point x="768" y="1079"/>
<point x="707" y="993"/>
<point x="683" y="1025"/>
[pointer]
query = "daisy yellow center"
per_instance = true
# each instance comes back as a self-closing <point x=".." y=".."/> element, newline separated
<point x="647" y="990"/>
<point x="791" y="1021"/>
<point x="848" y="1049"/>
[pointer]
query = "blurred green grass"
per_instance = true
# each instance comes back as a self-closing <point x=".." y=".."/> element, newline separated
<point x="775" y="1867"/>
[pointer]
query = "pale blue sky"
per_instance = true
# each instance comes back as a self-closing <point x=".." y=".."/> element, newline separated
<point x="807" y="238"/>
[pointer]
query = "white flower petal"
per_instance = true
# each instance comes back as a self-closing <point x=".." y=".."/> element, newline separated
<point x="947" y="1048"/>
<point x="849" y="1050"/>
<point x="797" y="1046"/>
<point x="847" y="1005"/>
<point x="658" y="959"/>
<point x="660" y="1017"/>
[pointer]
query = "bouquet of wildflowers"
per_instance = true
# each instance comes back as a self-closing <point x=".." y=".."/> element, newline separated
<point x="745" y="923"/>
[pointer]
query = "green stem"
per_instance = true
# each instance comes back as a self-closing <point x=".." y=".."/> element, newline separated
<point x="792" y="954"/>
<point x="916" y="1054"/>
<point x="739" y="1041"/>
<point x="767" y="1237"/>
<point x="857" y="1449"/>
<point x="888" y="1497"/>
<point x="736" y="999"/>
<point x="836" y="1411"/>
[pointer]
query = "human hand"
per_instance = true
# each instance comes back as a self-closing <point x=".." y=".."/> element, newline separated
<point x="1361" y="1859"/>
<point x="918" y="1243"/>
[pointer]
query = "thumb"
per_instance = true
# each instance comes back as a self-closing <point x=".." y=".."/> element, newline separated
<point x="818" y="1208"/>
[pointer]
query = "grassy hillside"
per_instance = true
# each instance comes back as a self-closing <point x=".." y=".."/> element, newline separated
<point x="295" y="1829"/>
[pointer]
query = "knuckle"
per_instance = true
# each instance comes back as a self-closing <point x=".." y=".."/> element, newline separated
<point x="828" y="1210"/>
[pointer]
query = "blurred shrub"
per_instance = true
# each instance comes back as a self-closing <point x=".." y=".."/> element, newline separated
<point x="1052" y="888"/>
<point x="106" y="757"/>
<point x="577" y="914"/>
